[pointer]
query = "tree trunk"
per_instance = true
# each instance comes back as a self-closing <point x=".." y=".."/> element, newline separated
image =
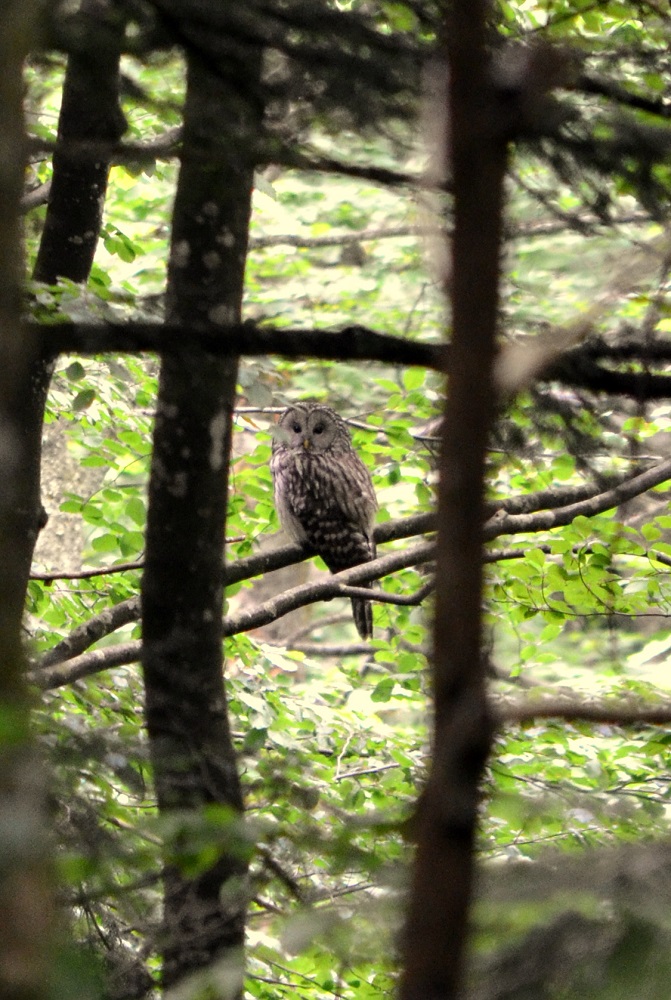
<point x="192" y="752"/>
<point x="437" y="919"/>
<point x="90" y="112"/>
<point x="26" y="903"/>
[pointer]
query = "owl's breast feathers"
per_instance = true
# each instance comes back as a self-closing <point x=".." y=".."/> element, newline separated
<point x="341" y="487"/>
<point x="330" y="504"/>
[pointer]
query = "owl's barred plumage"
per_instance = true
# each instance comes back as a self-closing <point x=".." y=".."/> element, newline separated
<point x="323" y="492"/>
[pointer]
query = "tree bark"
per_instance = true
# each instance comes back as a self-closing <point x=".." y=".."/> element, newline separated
<point x="193" y="756"/>
<point x="89" y="111"/>
<point x="26" y="903"/>
<point x="67" y="248"/>
<point x="446" y="823"/>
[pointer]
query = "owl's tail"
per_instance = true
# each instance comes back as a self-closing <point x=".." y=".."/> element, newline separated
<point x="363" y="616"/>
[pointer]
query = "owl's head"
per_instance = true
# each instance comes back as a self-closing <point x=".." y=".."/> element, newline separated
<point x="311" y="427"/>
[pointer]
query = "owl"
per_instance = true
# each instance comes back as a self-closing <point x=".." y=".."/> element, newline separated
<point x="323" y="492"/>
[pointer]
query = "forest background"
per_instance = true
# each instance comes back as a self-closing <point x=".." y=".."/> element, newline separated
<point x="475" y="802"/>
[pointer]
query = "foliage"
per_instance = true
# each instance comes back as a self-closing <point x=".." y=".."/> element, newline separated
<point x="333" y="743"/>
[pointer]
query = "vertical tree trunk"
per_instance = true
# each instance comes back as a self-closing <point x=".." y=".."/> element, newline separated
<point x="438" y="911"/>
<point x="192" y="752"/>
<point x="26" y="905"/>
<point x="90" y="111"/>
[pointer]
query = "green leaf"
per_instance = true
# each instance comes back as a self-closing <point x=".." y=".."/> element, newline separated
<point x="413" y="378"/>
<point x="135" y="509"/>
<point x="83" y="400"/>
<point x="75" y="371"/>
<point x="650" y="532"/>
<point x="105" y="543"/>
<point x="383" y="690"/>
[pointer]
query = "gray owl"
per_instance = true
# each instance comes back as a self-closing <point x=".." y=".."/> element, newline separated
<point x="323" y="492"/>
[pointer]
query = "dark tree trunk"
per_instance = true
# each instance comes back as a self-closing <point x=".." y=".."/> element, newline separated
<point x="26" y="890"/>
<point x="90" y="112"/>
<point x="437" y="919"/>
<point x="192" y="752"/>
<point x="26" y="904"/>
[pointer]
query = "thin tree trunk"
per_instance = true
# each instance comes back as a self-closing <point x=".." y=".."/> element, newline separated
<point x="192" y="752"/>
<point x="90" y="111"/>
<point x="438" y="914"/>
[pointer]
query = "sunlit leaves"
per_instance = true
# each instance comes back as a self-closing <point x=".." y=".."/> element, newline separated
<point x="332" y="747"/>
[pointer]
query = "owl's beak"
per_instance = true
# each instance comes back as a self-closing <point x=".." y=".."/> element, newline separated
<point x="306" y="443"/>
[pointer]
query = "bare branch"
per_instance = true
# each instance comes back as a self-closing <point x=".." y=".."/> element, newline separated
<point x="382" y="597"/>
<point x="578" y="371"/>
<point x="87" y="574"/>
<point x="86" y="634"/>
<point x="552" y="356"/>
<point x="614" y="92"/>
<point x="93" y="662"/>
<point x="328" y="587"/>
<point x="35" y="197"/>
<point x="108" y="621"/>
<point x="610" y="713"/>
<point x="274" y="153"/>
<point x="353" y="343"/>
<point x="329" y="649"/>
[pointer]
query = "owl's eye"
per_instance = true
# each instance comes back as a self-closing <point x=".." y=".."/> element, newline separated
<point x="318" y="429"/>
<point x="296" y="428"/>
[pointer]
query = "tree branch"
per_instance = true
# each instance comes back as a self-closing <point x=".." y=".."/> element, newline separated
<point x="382" y="597"/>
<point x="500" y="514"/>
<point x="90" y="632"/>
<point x="323" y="589"/>
<point x="580" y="372"/>
<point x="354" y="343"/>
<point x="576" y="367"/>
<point x="544" y="520"/>
<point x="614" y="92"/>
<point x="272" y="152"/>
<point x="87" y="574"/>
<point x="328" y="587"/>
<point x="610" y="713"/>
<point x="93" y="662"/>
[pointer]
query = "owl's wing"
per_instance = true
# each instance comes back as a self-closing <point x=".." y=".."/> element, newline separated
<point x="353" y="492"/>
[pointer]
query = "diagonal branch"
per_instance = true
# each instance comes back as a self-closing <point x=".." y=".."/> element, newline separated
<point x="513" y="515"/>
<point x="61" y="665"/>
<point x="323" y="589"/>
<point x="545" y="520"/>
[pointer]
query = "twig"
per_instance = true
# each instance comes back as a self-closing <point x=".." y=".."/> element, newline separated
<point x="383" y="597"/>
<point x="276" y="868"/>
<point x="86" y="574"/>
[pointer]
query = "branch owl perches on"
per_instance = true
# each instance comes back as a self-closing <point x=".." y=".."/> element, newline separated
<point x="324" y="494"/>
